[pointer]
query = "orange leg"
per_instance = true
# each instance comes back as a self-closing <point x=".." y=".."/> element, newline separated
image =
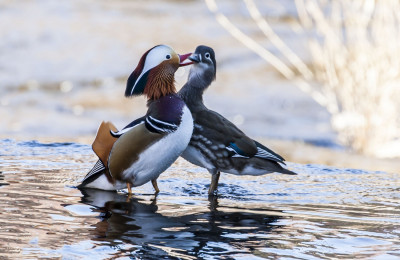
<point x="129" y="186"/>
<point x="155" y="186"/>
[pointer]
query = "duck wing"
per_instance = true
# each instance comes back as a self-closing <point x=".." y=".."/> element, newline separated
<point x="163" y="117"/>
<point x="128" y="148"/>
<point x="220" y="130"/>
<point x="108" y="134"/>
<point x="236" y="142"/>
<point x="266" y="153"/>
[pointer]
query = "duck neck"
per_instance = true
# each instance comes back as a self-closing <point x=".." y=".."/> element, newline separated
<point x="159" y="84"/>
<point x="192" y="94"/>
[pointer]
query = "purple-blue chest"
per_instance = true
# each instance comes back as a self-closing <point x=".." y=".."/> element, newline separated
<point x="165" y="110"/>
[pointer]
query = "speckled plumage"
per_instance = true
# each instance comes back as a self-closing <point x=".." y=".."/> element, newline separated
<point x="217" y="144"/>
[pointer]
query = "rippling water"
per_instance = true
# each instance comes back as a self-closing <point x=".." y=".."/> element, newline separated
<point x="323" y="212"/>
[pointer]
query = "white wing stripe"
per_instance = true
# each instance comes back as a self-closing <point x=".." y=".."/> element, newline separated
<point x="264" y="154"/>
<point x="162" y="122"/>
<point x="236" y="154"/>
<point x="158" y="128"/>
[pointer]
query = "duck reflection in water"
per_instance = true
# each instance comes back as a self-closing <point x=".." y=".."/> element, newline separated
<point x="203" y="231"/>
<point x="2" y="182"/>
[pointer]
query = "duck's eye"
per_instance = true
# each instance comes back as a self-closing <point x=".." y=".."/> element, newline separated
<point x="207" y="55"/>
<point x="168" y="57"/>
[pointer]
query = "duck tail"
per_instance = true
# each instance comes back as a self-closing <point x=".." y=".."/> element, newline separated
<point x="286" y="171"/>
<point x="97" y="170"/>
<point x="101" y="146"/>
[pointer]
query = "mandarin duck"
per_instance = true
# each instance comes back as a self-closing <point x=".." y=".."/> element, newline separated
<point x="217" y="144"/>
<point x="145" y="148"/>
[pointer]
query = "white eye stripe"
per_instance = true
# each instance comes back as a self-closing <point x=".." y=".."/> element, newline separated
<point x="154" y="58"/>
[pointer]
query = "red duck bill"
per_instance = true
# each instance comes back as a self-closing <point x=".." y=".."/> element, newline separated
<point x="183" y="60"/>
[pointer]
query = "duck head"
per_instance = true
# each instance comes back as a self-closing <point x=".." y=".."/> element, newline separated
<point x="204" y="67"/>
<point x="154" y="75"/>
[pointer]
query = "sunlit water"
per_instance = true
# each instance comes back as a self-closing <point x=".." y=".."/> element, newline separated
<point x="323" y="212"/>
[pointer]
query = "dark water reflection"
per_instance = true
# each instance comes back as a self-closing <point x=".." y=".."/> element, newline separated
<point x="195" y="234"/>
<point x="322" y="213"/>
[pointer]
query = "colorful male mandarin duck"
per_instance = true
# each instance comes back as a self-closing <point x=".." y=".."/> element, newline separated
<point x="217" y="144"/>
<point x="149" y="145"/>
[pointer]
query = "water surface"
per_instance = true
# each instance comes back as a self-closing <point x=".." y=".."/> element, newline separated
<point x="321" y="213"/>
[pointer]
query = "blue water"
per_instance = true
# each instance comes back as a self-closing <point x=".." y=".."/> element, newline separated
<point x="322" y="213"/>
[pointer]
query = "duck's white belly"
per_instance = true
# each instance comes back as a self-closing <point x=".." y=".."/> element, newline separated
<point x="102" y="183"/>
<point x="159" y="156"/>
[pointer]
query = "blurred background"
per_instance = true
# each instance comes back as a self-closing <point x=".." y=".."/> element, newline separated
<point x="317" y="81"/>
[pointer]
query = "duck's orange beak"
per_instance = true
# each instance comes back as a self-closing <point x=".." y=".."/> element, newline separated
<point x="183" y="61"/>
